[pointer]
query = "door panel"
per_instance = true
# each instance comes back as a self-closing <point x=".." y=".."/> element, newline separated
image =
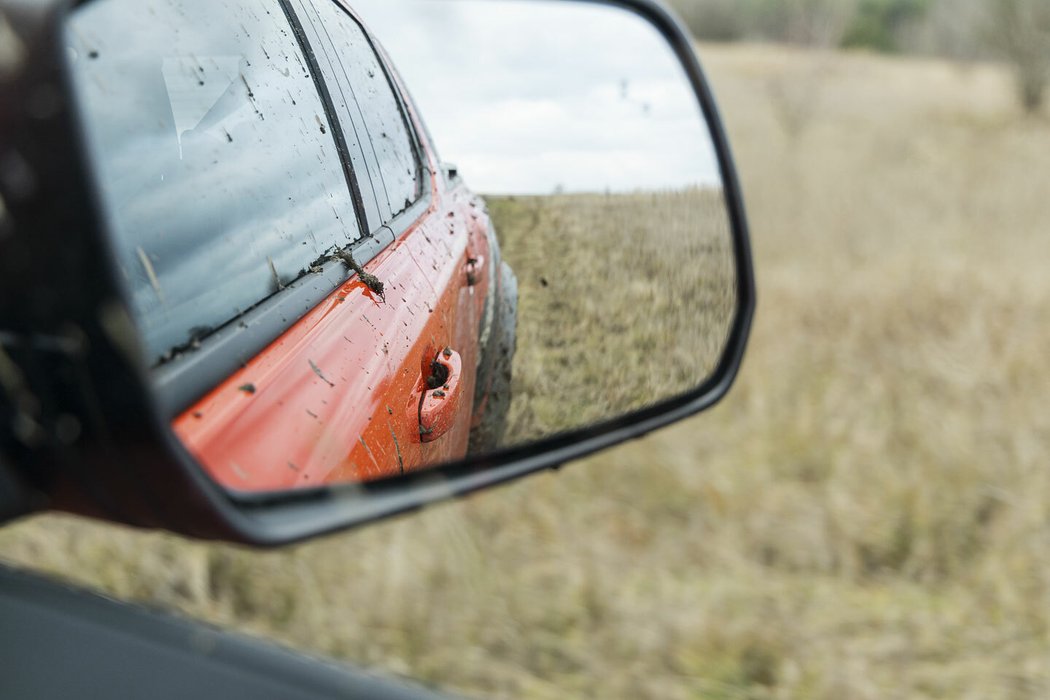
<point x="337" y="397"/>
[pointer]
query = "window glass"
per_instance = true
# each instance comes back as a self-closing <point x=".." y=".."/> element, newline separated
<point x="218" y="165"/>
<point x="373" y="115"/>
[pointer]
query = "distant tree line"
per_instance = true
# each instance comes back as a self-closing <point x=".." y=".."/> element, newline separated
<point x="1017" y="31"/>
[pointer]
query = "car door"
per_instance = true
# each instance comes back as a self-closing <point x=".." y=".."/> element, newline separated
<point x="299" y="167"/>
<point x="378" y="378"/>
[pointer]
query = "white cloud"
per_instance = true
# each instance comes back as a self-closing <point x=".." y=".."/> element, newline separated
<point x="530" y="96"/>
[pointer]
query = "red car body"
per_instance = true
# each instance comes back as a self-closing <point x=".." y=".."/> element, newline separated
<point x="376" y="380"/>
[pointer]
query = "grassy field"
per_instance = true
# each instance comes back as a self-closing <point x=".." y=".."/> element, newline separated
<point x="624" y="300"/>
<point x="866" y="516"/>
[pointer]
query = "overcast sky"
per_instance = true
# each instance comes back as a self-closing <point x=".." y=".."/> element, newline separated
<point x="530" y="97"/>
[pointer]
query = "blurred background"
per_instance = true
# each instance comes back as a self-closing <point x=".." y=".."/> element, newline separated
<point x="867" y="515"/>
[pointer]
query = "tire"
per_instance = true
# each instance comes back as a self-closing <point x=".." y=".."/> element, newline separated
<point x="497" y="368"/>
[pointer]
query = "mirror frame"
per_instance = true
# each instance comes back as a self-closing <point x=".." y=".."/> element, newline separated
<point x="92" y="439"/>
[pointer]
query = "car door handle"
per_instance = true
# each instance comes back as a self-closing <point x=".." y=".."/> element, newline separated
<point x="440" y="405"/>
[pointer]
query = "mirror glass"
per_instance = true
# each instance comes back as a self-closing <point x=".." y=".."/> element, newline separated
<point x="360" y="240"/>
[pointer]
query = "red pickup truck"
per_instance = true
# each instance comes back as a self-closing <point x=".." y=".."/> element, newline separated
<point x="342" y="284"/>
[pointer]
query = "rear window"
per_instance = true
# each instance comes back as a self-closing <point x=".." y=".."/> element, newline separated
<point x="219" y="168"/>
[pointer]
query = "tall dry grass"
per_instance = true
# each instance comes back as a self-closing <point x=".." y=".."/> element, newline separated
<point x="866" y="516"/>
<point x="624" y="300"/>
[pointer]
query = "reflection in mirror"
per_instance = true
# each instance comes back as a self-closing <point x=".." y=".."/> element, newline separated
<point x="322" y="298"/>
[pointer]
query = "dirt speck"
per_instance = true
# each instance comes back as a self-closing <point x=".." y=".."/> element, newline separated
<point x="247" y="388"/>
<point x="319" y="373"/>
<point x="397" y="449"/>
<point x="370" y="280"/>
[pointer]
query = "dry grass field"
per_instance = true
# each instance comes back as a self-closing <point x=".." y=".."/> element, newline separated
<point x="867" y="516"/>
<point x="624" y="300"/>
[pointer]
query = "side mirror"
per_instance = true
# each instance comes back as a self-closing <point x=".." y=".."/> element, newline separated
<point x="242" y="298"/>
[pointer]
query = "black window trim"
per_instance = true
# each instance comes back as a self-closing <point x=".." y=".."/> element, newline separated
<point x="418" y="154"/>
<point x="191" y="374"/>
<point x="330" y="114"/>
<point x="309" y="13"/>
<point x="389" y="72"/>
<point x="401" y="222"/>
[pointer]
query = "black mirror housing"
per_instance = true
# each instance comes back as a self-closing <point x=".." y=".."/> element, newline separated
<point x="81" y="428"/>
